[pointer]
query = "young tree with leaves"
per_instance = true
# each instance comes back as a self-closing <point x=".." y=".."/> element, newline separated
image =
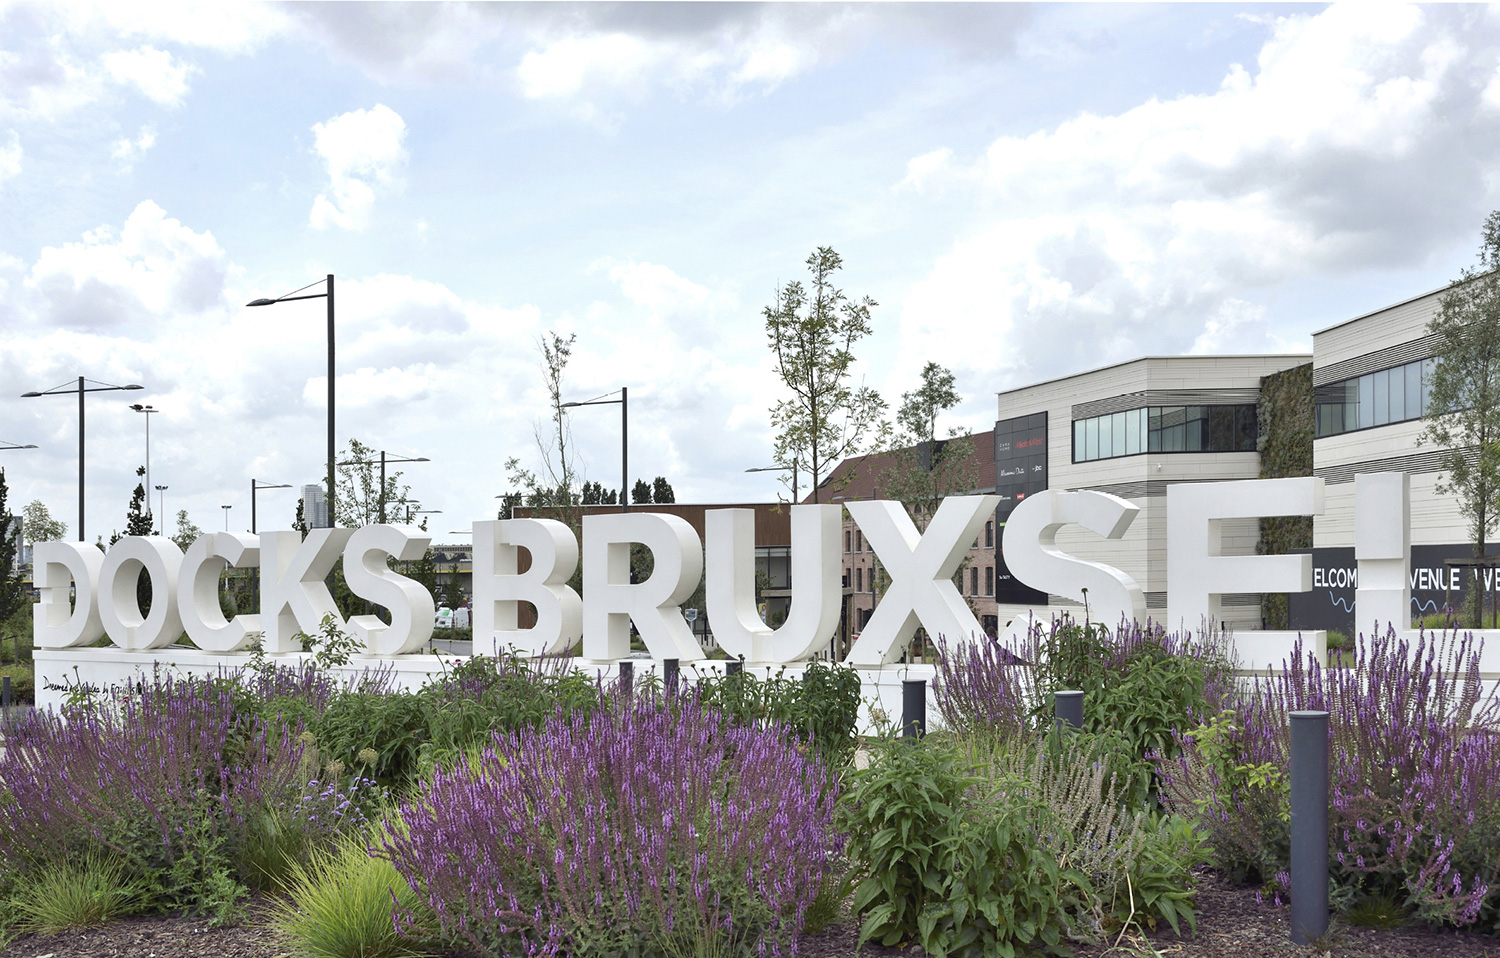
<point x="925" y="468"/>
<point x="187" y="531"/>
<point x="812" y="332"/>
<point x="38" y="524"/>
<point x="360" y="494"/>
<point x="1463" y="395"/>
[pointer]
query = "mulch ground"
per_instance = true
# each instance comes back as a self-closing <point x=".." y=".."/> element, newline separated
<point x="1230" y="925"/>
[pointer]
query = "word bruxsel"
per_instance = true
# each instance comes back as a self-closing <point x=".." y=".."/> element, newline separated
<point x="295" y="599"/>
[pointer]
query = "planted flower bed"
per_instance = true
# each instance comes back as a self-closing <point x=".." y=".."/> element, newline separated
<point x="512" y="808"/>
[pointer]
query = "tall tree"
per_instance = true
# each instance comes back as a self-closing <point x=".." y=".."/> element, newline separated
<point x="554" y="485"/>
<point x="12" y="593"/>
<point x="812" y="332"/>
<point x="640" y="493"/>
<point x="299" y="522"/>
<point x="925" y="468"/>
<point x="138" y="519"/>
<point x="661" y="490"/>
<point x="1463" y="394"/>
<point x="39" y="526"/>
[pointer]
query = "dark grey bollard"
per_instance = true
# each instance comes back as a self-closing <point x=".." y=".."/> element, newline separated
<point x="1309" y="782"/>
<point x="913" y="708"/>
<point x="734" y="666"/>
<point x="1067" y="709"/>
<point x="627" y="676"/>
<point x="5" y="692"/>
<point x="669" y="676"/>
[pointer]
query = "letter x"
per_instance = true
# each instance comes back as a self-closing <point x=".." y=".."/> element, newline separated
<point x="921" y="567"/>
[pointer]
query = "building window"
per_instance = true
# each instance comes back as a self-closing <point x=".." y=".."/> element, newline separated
<point x="989" y="534"/>
<point x="989" y="580"/>
<point x="974" y="580"/>
<point x="1165" y="429"/>
<point x="846" y="540"/>
<point x="859" y="580"/>
<point x="1398" y="394"/>
<point x="859" y="541"/>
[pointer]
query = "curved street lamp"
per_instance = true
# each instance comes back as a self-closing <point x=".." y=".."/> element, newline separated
<point x="795" y="500"/>
<point x="624" y="443"/>
<point x="290" y="297"/>
<point x="255" y="486"/>
<point x="81" y="388"/>
<point x="383" y="460"/>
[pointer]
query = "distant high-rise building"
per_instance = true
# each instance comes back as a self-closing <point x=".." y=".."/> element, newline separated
<point x="315" y="506"/>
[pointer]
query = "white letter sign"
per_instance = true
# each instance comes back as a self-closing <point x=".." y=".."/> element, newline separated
<point x="293" y="596"/>
<point x="499" y="589"/>
<point x="729" y="589"/>
<point x="1197" y="573"/>
<point x="656" y="604"/>
<point x="198" y="591"/>
<point x="53" y="624"/>
<point x="921" y="568"/>
<point x="409" y="603"/>
<point x="154" y="556"/>
<point x="1032" y="555"/>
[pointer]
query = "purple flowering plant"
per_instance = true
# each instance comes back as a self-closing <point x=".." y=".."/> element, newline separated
<point x="172" y="777"/>
<point x="1414" y="776"/>
<point x="636" y="830"/>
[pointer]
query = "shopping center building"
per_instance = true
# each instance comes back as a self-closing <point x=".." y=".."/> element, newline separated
<point x="1134" y="428"/>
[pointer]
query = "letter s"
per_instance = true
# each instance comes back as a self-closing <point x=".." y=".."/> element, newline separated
<point x="1032" y="555"/>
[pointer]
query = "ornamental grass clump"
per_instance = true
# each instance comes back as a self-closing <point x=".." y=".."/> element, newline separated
<point x="174" y="778"/>
<point x="1414" y="777"/>
<point x="640" y="831"/>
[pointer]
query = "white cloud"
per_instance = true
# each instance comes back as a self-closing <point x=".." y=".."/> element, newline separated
<point x="362" y="151"/>
<point x="922" y="171"/>
<point x="10" y="157"/>
<point x="154" y="72"/>
<point x="128" y="151"/>
<point x="1353" y="144"/>
<point x="155" y="265"/>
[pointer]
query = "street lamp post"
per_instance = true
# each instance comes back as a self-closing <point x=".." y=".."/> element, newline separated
<point x="4" y="446"/>
<point x="148" y="410"/>
<point x="289" y="297"/>
<point x="81" y="388"/>
<point x="255" y="486"/>
<point x="795" y="499"/>
<point x="161" y="498"/>
<point x="383" y="461"/>
<point x="624" y="439"/>
<point x="226" y="516"/>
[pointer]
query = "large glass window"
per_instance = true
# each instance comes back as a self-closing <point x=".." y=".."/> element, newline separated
<point x="1398" y="394"/>
<point x="1165" y="429"/>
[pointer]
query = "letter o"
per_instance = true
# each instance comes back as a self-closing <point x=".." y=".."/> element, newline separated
<point x="159" y="558"/>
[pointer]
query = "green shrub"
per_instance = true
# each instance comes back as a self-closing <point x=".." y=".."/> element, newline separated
<point x="822" y="707"/>
<point x="394" y="724"/>
<point x="949" y="867"/>
<point x="341" y="905"/>
<point x="22" y="681"/>
<point x="67" y="896"/>
<point x="1138" y="863"/>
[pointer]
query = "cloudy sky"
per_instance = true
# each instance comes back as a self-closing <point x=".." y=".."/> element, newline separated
<point x="1026" y="191"/>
